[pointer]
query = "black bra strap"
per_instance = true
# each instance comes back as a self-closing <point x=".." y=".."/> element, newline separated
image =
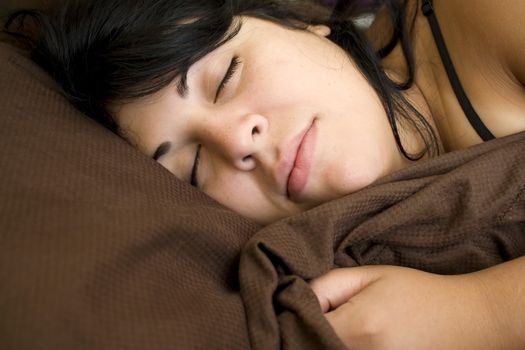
<point x="469" y="111"/>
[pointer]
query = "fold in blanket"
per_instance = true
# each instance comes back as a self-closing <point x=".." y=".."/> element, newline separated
<point x="458" y="213"/>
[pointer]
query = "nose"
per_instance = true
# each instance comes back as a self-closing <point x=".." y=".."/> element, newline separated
<point x="239" y="140"/>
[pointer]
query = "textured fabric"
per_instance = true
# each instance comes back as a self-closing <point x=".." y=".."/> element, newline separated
<point x="100" y="247"/>
<point x="459" y="213"/>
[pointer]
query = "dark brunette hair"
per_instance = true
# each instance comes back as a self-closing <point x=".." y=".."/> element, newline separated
<point x="104" y="52"/>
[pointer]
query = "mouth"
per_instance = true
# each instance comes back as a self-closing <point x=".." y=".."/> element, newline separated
<point x="297" y="161"/>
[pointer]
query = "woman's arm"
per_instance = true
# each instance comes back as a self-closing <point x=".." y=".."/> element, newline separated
<point x="387" y="307"/>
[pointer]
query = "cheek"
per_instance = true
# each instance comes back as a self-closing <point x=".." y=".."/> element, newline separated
<point x="348" y="162"/>
<point x="356" y="148"/>
<point x="347" y="175"/>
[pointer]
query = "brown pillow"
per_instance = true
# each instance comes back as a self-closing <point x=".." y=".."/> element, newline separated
<point x="100" y="246"/>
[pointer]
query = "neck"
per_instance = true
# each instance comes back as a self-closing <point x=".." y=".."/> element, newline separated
<point x="428" y="72"/>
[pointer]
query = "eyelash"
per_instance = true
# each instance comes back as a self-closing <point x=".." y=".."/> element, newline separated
<point x="234" y="64"/>
<point x="193" y="177"/>
<point x="227" y="77"/>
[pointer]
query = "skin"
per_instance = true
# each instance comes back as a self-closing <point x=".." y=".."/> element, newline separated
<point x="249" y="136"/>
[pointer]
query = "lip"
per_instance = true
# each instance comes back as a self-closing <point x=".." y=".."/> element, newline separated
<point x="293" y="169"/>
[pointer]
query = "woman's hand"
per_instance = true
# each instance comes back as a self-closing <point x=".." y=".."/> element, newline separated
<point x="387" y="307"/>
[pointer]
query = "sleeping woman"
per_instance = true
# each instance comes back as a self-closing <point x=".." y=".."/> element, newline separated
<point x="272" y="107"/>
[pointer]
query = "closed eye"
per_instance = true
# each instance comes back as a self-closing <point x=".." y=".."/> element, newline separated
<point x="229" y="74"/>
<point x="195" y="168"/>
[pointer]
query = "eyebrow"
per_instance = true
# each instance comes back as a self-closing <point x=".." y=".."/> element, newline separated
<point x="161" y="150"/>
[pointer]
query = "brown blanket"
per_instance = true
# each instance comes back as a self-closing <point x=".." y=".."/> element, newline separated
<point x="462" y="212"/>
<point x="100" y="247"/>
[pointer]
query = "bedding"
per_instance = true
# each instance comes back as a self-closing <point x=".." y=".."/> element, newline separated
<point x="100" y="247"/>
<point x="458" y="213"/>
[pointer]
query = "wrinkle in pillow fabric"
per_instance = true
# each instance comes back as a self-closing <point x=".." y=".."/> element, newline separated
<point x="100" y="247"/>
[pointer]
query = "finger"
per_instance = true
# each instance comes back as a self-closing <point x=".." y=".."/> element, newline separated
<point x="343" y="321"/>
<point x="338" y="286"/>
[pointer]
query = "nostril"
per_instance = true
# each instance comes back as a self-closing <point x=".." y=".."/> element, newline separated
<point x="247" y="158"/>
<point x="255" y="130"/>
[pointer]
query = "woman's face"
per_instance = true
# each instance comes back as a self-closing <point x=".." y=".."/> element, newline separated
<point x="274" y="122"/>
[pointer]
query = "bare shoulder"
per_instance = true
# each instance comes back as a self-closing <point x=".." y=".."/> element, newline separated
<point x="486" y="42"/>
<point x="498" y="26"/>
